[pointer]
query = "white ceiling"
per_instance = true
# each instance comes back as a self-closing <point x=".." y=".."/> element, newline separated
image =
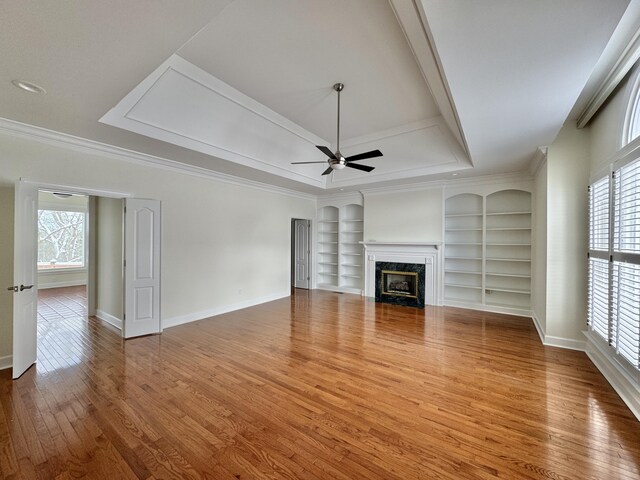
<point x="436" y="85"/>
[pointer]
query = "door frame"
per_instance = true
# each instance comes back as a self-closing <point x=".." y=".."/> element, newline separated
<point x="310" y="243"/>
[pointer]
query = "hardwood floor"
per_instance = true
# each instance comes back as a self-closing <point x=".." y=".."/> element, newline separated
<point x="319" y="386"/>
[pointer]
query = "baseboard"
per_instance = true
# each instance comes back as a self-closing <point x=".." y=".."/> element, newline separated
<point x="212" y="312"/>
<point x="110" y="319"/>
<point x="536" y="322"/>
<point x="331" y="288"/>
<point x="488" y="308"/>
<point x="561" y="342"/>
<point x="6" y="362"/>
<point x="620" y="380"/>
<point x="71" y="283"/>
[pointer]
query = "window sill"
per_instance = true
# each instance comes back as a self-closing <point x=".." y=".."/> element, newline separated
<point x="54" y="271"/>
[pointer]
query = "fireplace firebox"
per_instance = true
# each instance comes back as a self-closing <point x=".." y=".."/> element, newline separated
<point x="400" y="283"/>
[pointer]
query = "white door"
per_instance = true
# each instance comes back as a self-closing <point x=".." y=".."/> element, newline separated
<point x="301" y="241"/>
<point x="25" y="296"/>
<point x="142" y="267"/>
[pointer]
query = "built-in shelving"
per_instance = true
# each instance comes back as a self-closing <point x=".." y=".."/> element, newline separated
<point x="488" y="249"/>
<point x="340" y="233"/>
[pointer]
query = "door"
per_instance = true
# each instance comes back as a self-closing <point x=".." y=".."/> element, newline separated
<point x="302" y="253"/>
<point x="25" y="296"/>
<point x="141" y="267"/>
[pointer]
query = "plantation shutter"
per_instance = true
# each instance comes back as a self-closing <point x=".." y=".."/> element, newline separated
<point x="599" y="275"/>
<point x="625" y="334"/>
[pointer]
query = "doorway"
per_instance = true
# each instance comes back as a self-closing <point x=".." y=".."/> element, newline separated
<point x="141" y="296"/>
<point x="300" y="253"/>
<point x="80" y="277"/>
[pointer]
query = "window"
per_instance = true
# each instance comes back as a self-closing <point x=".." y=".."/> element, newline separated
<point x="614" y="263"/>
<point x="61" y="239"/>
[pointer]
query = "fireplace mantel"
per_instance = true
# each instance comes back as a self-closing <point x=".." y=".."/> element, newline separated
<point x="427" y="253"/>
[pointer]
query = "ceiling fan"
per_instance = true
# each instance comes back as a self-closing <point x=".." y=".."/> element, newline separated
<point x="336" y="160"/>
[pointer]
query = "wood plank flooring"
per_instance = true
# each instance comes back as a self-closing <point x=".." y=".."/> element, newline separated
<point x="318" y="386"/>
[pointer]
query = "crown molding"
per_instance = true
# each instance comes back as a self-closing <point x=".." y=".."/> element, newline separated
<point x="627" y="58"/>
<point x="457" y="182"/>
<point x="538" y="159"/>
<point x="92" y="147"/>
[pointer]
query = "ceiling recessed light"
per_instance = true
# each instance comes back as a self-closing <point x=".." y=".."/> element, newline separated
<point x="29" y="87"/>
<point x="454" y="174"/>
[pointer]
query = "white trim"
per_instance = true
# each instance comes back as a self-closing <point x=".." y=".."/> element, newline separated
<point x="516" y="312"/>
<point x="617" y="377"/>
<point x="560" y="342"/>
<point x="339" y="289"/>
<point x="68" y="283"/>
<point x="6" y="362"/>
<point x="538" y="325"/>
<point x="623" y="64"/>
<point x="538" y="159"/>
<point x="110" y="319"/>
<point x="212" y="312"/>
<point x="91" y="147"/>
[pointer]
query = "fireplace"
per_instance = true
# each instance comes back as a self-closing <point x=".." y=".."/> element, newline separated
<point x="400" y="283"/>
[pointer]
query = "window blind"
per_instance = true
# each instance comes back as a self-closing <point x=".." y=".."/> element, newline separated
<point x="614" y="264"/>
<point x="599" y="215"/>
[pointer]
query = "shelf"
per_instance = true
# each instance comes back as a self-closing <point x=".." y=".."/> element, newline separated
<point x="528" y="260"/>
<point x="352" y="221"/>
<point x="463" y="258"/>
<point x="350" y="243"/>
<point x="326" y="231"/>
<point x="327" y="263"/>
<point x="350" y="276"/>
<point x="327" y="221"/>
<point x="507" y="305"/>
<point x="330" y="243"/>
<point x="509" y="244"/>
<point x="453" y="244"/>
<point x="328" y="274"/>
<point x="462" y="286"/>
<point x="514" y="275"/>
<point x="495" y="229"/>
<point x="352" y="254"/>
<point x="462" y="271"/>
<point x="506" y="289"/>
<point x="328" y="253"/>
<point x="452" y="215"/>
<point x="508" y="213"/>
<point x="350" y="265"/>
<point x="353" y="231"/>
<point x="463" y="229"/>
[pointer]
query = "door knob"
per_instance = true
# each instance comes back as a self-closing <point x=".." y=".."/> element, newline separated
<point x="25" y="287"/>
<point x="15" y="288"/>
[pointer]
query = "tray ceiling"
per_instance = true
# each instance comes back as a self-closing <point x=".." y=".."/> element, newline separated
<point x="244" y="88"/>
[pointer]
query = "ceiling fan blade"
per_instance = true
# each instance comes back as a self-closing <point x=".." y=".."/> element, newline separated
<point x="327" y="171"/>
<point x="326" y="151"/>
<point x="364" y="168"/>
<point x="364" y="156"/>
<point x="302" y="163"/>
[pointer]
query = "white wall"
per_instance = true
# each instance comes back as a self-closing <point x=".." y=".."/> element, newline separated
<point x="567" y="229"/>
<point x="404" y="216"/>
<point x="6" y="273"/>
<point x="223" y="244"/>
<point x="109" y="260"/>
<point x="539" y="245"/>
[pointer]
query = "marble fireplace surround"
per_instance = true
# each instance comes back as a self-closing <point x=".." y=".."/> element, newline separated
<point x="429" y="254"/>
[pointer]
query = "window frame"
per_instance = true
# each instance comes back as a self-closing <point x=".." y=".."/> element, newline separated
<point x="85" y="260"/>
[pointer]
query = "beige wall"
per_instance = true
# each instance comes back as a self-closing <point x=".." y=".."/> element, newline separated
<point x="539" y="245"/>
<point x="404" y="217"/>
<point x="222" y="244"/>
<point x="109" y="258"/>
<point x="6" y="272"/>
<point x="567" y="229"/>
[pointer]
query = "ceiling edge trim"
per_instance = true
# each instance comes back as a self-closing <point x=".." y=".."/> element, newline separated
<point x="625" y="61"/>
<point x="412" y="20"/>
<point x="71" y="142"/>
<point x="460" y="182"/>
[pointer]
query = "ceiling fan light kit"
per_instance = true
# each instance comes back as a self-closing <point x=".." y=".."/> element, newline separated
<point x="335" y="159"/>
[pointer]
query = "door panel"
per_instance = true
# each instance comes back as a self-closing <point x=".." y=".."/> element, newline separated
<point x="301" y="241"/>
<point x="25" y="298"/>
<point x="142" y="267"/>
